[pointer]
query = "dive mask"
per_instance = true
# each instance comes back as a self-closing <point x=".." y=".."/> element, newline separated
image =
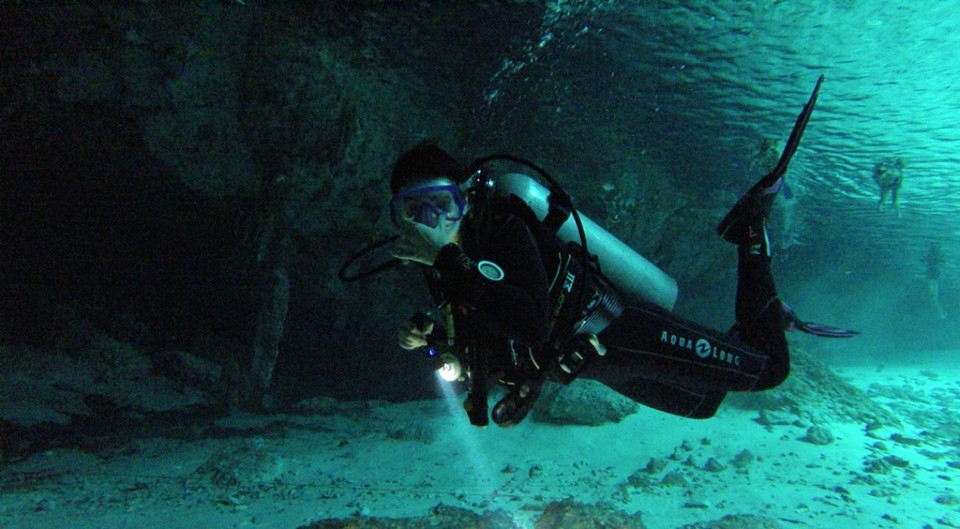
<point x="426" y="204"/>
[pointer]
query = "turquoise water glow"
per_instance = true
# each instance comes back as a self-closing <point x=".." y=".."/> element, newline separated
<point x="892" y="89"/>
<point x="699" y="83"/>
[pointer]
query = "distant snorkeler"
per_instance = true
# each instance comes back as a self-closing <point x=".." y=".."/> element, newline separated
<point x="889" y="177"/>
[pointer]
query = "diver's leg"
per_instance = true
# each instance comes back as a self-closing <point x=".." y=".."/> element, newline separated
<point x="649" y="342"/>
<point x="677" y="353"/>
<point x="670" y="399"/>
<point x="759" y="312"/>
<point x="760" y="317"/>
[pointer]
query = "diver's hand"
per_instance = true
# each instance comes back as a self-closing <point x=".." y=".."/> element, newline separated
<point x="411" y="336"/>
<point x="421" y="243"/>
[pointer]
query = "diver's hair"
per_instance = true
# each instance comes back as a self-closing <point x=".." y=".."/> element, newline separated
<point x="425" y="161"/>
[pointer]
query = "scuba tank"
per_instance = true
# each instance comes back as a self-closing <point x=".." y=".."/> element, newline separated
<point x="632" y="274"/>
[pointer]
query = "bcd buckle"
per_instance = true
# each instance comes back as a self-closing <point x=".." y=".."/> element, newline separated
<point x="586" y="348"/>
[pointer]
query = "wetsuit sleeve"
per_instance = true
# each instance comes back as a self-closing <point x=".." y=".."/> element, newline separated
<point x="516" y="305"/>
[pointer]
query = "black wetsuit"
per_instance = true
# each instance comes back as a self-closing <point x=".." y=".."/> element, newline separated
<point x="493" y="315"/>
<point x="653" y="357"/>
<point x="675" y="365"/>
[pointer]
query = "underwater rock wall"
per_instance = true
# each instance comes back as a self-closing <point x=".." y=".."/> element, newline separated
<point x="258" y="140"/>
<point x="275" y="114"/>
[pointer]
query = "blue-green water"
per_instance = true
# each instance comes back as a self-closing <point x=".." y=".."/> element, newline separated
<point x="702" y="82"/>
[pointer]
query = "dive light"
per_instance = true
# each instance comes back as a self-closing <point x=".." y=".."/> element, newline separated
<point x="448" y="365"/>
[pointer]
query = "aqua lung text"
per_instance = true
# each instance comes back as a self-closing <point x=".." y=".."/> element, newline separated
<point x="701" y="347"/>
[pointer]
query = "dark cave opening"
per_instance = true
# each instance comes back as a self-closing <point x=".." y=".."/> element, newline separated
<point x="91" y="217"/>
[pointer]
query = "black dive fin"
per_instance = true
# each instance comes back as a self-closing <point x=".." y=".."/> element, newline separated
<point x="825" y="331"/>
<point x="734" y="226"/>
<point x="794" y="323"/>
<point x="795" y="135"/>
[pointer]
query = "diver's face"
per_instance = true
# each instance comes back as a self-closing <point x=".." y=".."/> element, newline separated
<point x="428" y="202"/>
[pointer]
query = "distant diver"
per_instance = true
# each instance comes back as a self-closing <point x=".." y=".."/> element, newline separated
<point x="521" y="299"/>
<point x="889" y="178"/>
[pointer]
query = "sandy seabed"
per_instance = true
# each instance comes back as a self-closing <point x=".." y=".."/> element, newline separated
<point x="402" y="460"/>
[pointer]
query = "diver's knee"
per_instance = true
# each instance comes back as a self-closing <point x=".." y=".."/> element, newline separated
<point x="707" y="407"/>
<point x="703" y="414"/>
<point x="775" y="376"/>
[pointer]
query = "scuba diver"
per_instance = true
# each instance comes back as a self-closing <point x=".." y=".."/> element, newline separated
<point x="522" y="302"/>
<point x="889" y="178"/>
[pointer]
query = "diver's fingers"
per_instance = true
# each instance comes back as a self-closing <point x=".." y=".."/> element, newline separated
<point x="410" y="336"/>
<point x="426" y="329"/>
<point x="410" y="339"/>
<point x="419" y="331"/>
<point x="410" y="343"/>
